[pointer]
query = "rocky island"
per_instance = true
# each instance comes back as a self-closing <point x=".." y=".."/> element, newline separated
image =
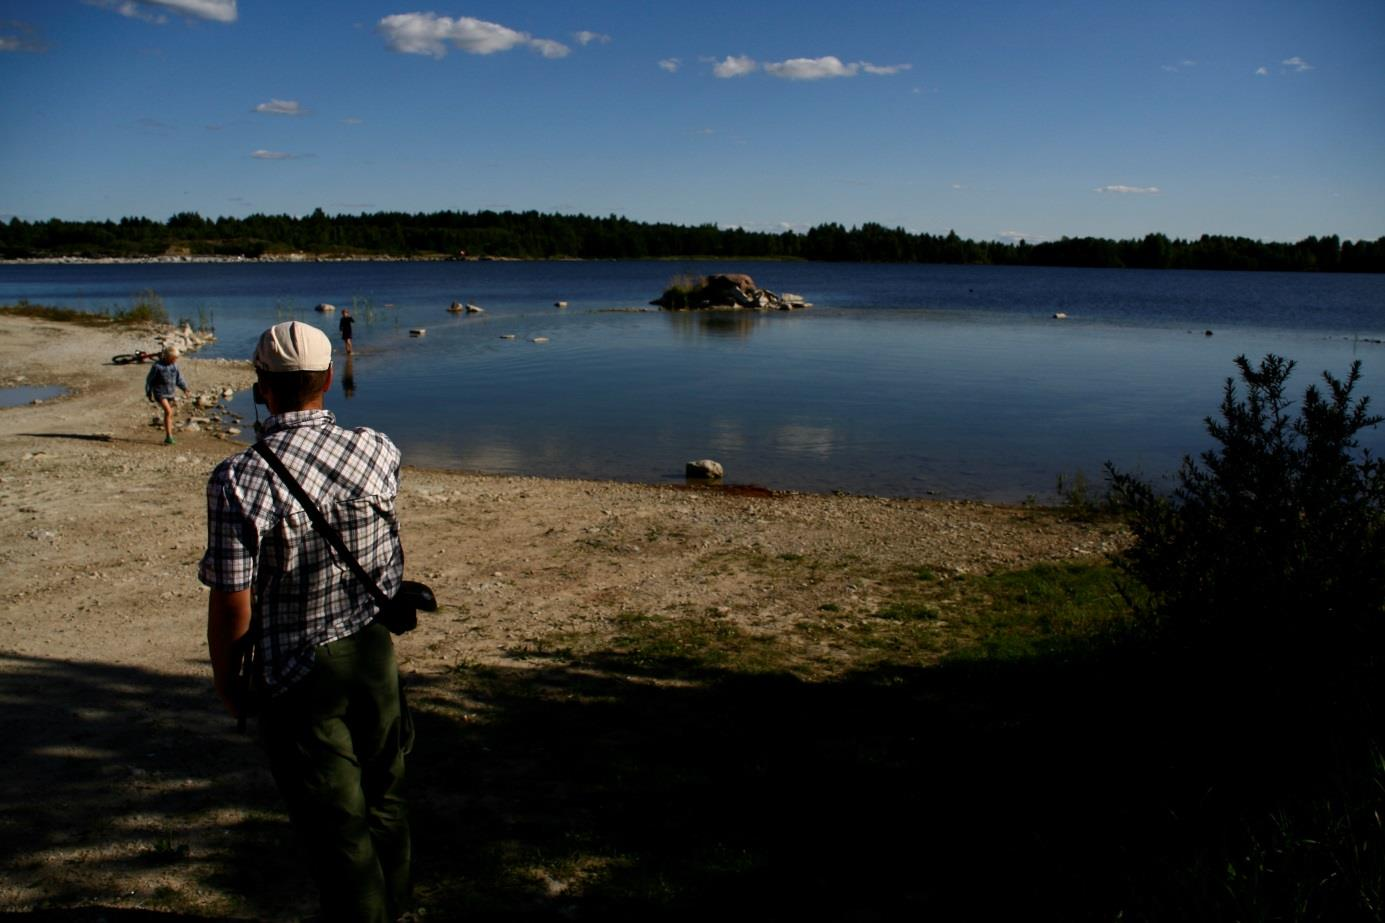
<point x="731" y="291"/>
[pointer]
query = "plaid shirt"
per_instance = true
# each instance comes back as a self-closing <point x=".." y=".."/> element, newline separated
<point x="260" y="537"/>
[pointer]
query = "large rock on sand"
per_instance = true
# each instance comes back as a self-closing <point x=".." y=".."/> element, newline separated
<point x="704" y="469"/>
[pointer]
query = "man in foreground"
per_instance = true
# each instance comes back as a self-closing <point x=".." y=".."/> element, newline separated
<point x="327" y="684"/>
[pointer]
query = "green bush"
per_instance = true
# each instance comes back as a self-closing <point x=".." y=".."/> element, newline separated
<point x="682" y="291"/>
<point x="1271" y="548"/>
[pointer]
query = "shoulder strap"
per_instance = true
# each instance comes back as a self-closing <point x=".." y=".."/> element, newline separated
<point x="320" y="523"/>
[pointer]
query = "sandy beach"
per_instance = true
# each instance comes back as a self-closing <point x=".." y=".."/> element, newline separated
<point x="127" y="787"/>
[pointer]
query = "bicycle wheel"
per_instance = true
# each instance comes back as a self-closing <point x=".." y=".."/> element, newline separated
<point x="124" y="359"/>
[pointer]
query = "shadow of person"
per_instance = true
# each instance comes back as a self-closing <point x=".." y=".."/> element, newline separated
<point x="348" y="379"/>
<point x="127" y="782"/>
<point x="638" y="782"/>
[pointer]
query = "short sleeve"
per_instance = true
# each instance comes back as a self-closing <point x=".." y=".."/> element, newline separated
<point x="232" y="541"/>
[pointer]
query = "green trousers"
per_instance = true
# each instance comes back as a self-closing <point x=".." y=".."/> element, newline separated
<point x="336" y="744"/>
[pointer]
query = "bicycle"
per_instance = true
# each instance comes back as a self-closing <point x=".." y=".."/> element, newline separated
<point x="139" y="356"/>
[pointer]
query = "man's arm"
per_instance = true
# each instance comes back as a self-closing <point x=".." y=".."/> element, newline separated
<point x="228" y="622"/>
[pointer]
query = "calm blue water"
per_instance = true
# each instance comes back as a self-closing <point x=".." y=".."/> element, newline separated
<point x="26" y="394"/>
<point x="902" y="380"/>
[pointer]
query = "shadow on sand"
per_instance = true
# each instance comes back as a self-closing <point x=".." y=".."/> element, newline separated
<point x="615" y="788"/>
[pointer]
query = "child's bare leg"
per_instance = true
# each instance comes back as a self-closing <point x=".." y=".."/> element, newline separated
<point x="167" y="405"/>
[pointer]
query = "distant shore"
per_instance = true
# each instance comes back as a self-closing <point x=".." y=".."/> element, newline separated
<point x="268" y="258"/>
<point x="366" y="258"/>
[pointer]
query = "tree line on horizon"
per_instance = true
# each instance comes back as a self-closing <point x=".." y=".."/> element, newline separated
<point x="532" y="235"/>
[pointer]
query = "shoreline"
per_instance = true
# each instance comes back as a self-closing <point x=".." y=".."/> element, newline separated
<point x="102" y="618"/>
<point x="73" y="458"/>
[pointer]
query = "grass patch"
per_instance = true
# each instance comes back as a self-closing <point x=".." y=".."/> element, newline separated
<point x="145" y="308"/>
<point x="908" y="612"/>
<point x="685" y="764"/>
<point x="692" y="642"/>
<point x="1049" y="609"/>
<point x="1041" y="610"/>
<point x="60" y="315"/>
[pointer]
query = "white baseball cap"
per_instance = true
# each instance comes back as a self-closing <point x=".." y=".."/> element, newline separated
<point x="293" y="346"/>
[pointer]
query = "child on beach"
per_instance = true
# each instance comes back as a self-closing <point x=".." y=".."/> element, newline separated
<point x="161" y="387"/>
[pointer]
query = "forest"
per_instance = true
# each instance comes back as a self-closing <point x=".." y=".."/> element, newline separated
<point x="533" y="235"/>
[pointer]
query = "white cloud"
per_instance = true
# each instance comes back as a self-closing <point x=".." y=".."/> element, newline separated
<point x="1129" y="190"/>
<point x="735" y="66"/>
<point x="829" y="66"/>
<point x="215" y="10"/>
<point x="549" y="48"/>
<point x="427" y="33"/>
<point x="1180" y="66"/>
<point x="352" y="120"/>
<point x="812" y="68"/>
<point x="671" y="65"/>
<point x="272" y="155"/>
<point x="281" y="107"/>
<point x="1262" y="72"/>
<point x="585" y="38"/>
<point x="1296" y="64"/>
<point x="152" y="10"/>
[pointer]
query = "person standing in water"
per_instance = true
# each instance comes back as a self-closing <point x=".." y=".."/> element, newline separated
<point x="162" y="384"/>
<point x="345" y="325"/>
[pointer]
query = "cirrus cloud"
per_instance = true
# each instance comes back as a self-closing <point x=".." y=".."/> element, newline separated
<point x="274" y="155"/>
<point x="428" y="33"/>
<point x="153" y="10"/>
<point x="20" y="36"/>
<point x="1119" y="189"/>
<point x="886" y="70"/>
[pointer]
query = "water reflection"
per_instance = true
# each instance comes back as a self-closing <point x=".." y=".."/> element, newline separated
<point x="729" y="324"/>
<point x="348" y="379"/>
<point x="796" y="439"/>
<point x="727" y="435"/>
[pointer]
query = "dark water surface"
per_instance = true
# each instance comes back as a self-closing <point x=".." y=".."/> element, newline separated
<point x="901" y="380"/>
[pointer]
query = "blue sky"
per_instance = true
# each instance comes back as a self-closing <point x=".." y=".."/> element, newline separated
<point x="998" y="120"/>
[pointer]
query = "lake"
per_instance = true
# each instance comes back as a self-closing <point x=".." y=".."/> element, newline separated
<point x="902" y="380"/>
